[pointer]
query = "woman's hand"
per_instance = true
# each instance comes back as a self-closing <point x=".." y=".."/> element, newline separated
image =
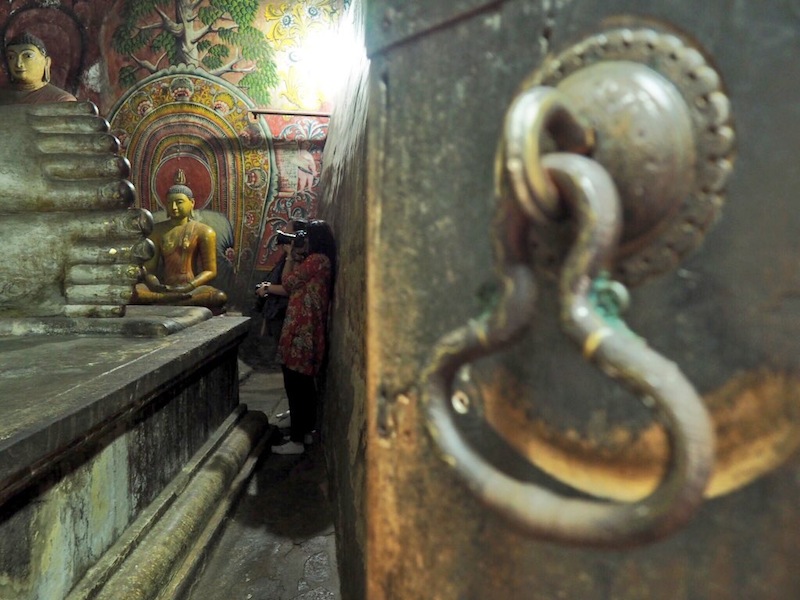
<point x="297" y="255"/>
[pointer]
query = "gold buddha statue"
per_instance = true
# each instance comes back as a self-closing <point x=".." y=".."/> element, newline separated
<point x="29" y="72"/>
<point x="181" y="243"/>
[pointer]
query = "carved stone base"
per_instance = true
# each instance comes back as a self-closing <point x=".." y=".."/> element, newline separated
<point x="117" y="452"/>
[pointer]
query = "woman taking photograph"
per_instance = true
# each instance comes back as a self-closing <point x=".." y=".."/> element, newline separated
<point x="270" y="304"/>
<point x="308" y="281"/>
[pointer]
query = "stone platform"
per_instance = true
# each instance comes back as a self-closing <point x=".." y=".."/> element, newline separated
<point x="117" y="450"/>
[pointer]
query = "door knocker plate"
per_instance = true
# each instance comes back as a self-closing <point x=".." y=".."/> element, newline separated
<point x="662" y="128"/>
<point x="611" y="168"/>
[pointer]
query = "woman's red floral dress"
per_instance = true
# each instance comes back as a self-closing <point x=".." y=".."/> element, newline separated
<point x="302" y="344"/>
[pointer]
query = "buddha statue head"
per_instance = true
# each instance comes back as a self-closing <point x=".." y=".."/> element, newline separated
<point x="180" y="198"/>
<point x="28" y="62"/>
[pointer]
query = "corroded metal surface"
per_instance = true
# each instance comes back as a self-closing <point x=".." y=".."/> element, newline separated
<point x="397" y="20"/>
<point x="756" y="418"/>
<point x="592" y="201"/>
<point x="728" y="316"/>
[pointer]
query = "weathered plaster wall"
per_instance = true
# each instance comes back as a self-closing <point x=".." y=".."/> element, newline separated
<point x="343" y="203"/>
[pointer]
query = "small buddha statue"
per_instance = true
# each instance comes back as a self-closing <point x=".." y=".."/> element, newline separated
<point x="181" y="243"/>
<point x="29" y="73"/>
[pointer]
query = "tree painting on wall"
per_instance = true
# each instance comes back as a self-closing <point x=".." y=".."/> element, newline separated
<point x="217" y="36"/>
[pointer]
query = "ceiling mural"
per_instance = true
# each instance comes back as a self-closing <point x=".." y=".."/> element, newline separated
<point x="284" y="54"/>
<point x="218" y="37"/>
<point x="277" y="53"/>
<point x="303" y="36"/>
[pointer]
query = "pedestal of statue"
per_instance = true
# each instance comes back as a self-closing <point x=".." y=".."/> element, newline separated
<point x="120" y="439"/>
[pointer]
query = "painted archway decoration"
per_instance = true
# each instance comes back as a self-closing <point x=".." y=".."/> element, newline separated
<point x="184" y="118"/>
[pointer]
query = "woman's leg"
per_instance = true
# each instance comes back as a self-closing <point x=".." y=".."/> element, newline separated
<point x="301" y="392"/>
<point x="310" y="405"/>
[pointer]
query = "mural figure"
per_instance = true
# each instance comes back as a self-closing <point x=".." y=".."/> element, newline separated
<point x="306" y="170"/>
<point x="29" y="71"/>
<point x="181" y="243"/>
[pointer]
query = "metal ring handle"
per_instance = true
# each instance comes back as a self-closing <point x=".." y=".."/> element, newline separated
<point x="537" y="510"/>
<point x="536" y="110"/>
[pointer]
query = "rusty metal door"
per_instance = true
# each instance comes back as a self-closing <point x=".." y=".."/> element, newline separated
<point x="583" y="316"/>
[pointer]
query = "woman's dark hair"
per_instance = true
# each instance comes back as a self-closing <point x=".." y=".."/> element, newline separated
<point x="321" y="241"/>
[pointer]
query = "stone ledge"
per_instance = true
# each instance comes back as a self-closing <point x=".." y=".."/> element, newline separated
<point x="59" y="393"/>
<point x="139" y="321"/>
<point x="159" y="549"/>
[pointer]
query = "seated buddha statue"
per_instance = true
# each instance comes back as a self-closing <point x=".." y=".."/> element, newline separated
<point x="181" y="244"/>
<point x="29" y="73"/>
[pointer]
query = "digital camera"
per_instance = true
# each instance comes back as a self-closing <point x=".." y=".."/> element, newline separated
<point x="298" y="240"/>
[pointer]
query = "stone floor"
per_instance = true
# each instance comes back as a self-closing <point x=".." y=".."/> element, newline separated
<point x="278" y="544"/>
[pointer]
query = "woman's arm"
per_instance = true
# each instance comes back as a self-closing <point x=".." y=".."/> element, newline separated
<point x="316" y="265"/>
<point x="273" y="289"/>
<point x="274" y="280"/>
